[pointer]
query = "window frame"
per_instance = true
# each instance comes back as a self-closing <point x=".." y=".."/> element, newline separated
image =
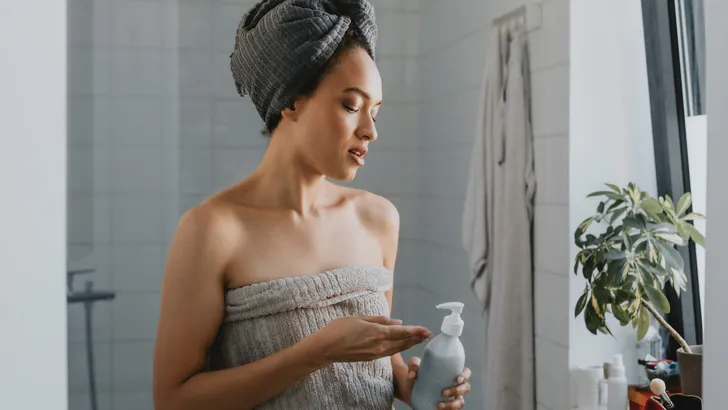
<point x="667" y="108"/>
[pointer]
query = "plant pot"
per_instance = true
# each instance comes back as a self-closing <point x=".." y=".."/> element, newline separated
<point x="691" y="370"/>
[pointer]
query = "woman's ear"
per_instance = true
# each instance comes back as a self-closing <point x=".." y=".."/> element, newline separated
<point x="292" y="110"/>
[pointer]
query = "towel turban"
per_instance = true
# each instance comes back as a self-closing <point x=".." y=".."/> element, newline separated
<point x="282" y="44"/>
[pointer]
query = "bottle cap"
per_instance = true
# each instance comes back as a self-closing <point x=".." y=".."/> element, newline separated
<point x="617" y="368"/>
<point x="452" y="324"/>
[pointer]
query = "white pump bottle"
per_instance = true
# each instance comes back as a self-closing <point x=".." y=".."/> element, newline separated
<point x="442" y="363"/>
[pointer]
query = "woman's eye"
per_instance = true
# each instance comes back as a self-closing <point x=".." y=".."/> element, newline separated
<point x="350" y="109"/>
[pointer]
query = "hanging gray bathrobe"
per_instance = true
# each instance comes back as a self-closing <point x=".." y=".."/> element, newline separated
<point x="497" y="224"/>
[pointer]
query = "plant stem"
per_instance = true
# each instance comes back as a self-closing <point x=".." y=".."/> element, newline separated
<point x="669" y="328"/>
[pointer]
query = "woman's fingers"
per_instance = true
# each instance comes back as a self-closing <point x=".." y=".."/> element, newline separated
<point x="406" y="332"/>
<point x="413" y="366"/>
<point x="458" y="403"/>
<point x="465" y="375"/>
<point x="459" y="390"/>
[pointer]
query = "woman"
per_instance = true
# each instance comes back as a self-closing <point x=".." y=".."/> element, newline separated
<point x="277" y="290"/>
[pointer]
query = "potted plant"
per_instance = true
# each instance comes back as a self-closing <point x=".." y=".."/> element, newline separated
<point x="628" y="263"/>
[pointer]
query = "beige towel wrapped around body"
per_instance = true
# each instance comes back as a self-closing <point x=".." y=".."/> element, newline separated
<point x="262" y="319"/>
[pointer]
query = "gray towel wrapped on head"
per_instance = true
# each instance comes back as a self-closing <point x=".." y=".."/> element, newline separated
<point x="281" y="44"/>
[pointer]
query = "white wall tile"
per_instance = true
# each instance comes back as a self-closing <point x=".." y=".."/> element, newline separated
<point x="88" y="171"/>
<point x="226" y="18"/>
<point x="194" y="73"/>
<point x="82" y="401"/>
<point x="236" y="124"/>
<point x="552" y="170"/>
<point x="188" y="123"/>
<point x="187" y="172"/>
<point x="389" y="126"/>
<point x="381" y="6"/>
<point x="382" y="173"/>
<point x="88" y="219"/>
<point x="90" y="256"/>
<point x="78" y="372"/>
<point x="230" y="166"/>
<point x="408" y="208"/>
<point x="89" y="70"/>
<point x="132" y="365"/>
<point x="550" y="100"/>
<point x="100" y="319"/>
<point x="134" y="316"/>
<point x="136" y="171"/>
<point x="405" y="270"/>
<point x="136" y="122"/>
<point x="138" y="399"/>
<point x="192" y="25"/>
<point x="89" y="22"/>
<point x="392" y="71"/>
<point x="137" y="268"/>
<point x="549" y="45"/>
<point x="392" y="34"/>
<point x="449" y="178"/>
<point x="552" y="375"/>
<point x="552" y="307"/>
<point x="137" y="72"/>
<point x="411" y="33"/>
<point x="551" y="233"/>
<point x="136" y="220"/>
<point x="137" y="23"/>
<point x="223" y="82"/>
<point x="89" y="120"/>
<point x="443" y="216"/>
<point x="410" y="80"/>
<point x="449" y="119"/>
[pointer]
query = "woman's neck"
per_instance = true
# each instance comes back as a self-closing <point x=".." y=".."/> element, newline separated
<point x="284" y="180"/>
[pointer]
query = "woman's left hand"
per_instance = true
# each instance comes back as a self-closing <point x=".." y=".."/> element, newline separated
<point x="458" y="391"/>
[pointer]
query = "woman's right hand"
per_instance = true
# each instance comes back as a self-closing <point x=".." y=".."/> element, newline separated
<point x="364" y="338"/>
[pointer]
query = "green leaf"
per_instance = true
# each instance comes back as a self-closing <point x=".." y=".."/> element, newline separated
<point x="695" y="235"/>
<point x="684" y="203"/>
<point x="614" y="205"/>
<point x="614" y="187"/>
<point x="591" y="319"/>
<point x="643" y="323"/>
<point x="671" y="237"/>
<point x="672" y="256"/>
<point x="656" y="270"/>
<point x="620" y="314"/>
<point x="634" y="223"/>
<point x="602" y="295"/>
<point x="600" y="208"/>
<point x="599" y="193"/>
<point x="581" y="303"/>
<point x="658" y="299"/>
<point x="693" y="216"/>
<point x="617" y="213"/>
<point x="651" y="206"/>
<point x="679" y="280"/>
<point x="614" y="254"/>
<point x="613" y="196"/>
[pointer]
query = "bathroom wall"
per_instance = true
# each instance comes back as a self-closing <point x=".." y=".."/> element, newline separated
<point x="155" y="125"/>
<point x="33" y="212"/>
<point x="452" y="54"/>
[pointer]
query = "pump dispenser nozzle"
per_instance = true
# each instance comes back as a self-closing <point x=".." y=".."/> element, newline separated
<point x="452" y="324"/>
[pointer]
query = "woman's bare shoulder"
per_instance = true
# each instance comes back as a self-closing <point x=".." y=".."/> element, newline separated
<point x="375" y="211"/>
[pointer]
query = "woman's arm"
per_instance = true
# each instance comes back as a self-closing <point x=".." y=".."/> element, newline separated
<point x="388" y="221"/>
<point x="191" y="312"/>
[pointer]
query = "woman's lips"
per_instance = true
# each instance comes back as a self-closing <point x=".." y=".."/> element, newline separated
<point x="357" y="155"/>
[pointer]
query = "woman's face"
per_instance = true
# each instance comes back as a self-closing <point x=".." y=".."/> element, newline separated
<point x="335" y="125"/>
